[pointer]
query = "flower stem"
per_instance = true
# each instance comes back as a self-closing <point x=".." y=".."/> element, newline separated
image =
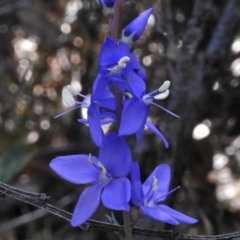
<point x="116" y="17"/>
<point x="127" y="225"/>
<point x="118" y="97"/>
<point x="114" y="35"/>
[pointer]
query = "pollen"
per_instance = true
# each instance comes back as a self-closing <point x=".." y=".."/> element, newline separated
<point x="122" y="63"/>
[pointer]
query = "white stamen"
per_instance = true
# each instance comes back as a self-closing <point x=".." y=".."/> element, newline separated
<point x="67" y="97"/>
<point x="86" y="102"/>
<point x="162" y="95"/>
<point x="154" y="184"/>
<point x="104" y="171"/>
<point x="165" y="86"/>
<point x="123" y="62"/>
<point x="90" y="158"/>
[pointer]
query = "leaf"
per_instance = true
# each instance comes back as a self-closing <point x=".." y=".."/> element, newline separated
<point x="13" y="161"/>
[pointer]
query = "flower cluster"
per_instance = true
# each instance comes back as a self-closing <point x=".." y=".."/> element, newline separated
<point x="118" y="97"/>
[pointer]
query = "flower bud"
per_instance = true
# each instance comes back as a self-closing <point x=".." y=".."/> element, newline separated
<point x="135" y="29"/>
<point x="107" y="7"/>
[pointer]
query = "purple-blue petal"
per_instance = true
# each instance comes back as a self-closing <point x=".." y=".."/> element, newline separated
<point x="153" y="129"/>
<point x="82" y="120"/>
<point x="137" y="191"/>
<point x="109" y="103"/>
<point x="134" y="116"/>
<point x="75" y="168"/>
<point x="115" y="155"/>
<point x="108" y="3"/>
<point x="180" y="217"/>
<point x="107" y="58"/>
<point x="157" y="214"/>
<point x="137" y="67"/>
<point x="87" y="204"/>
<point x="116" y="194"/>
<point x="100" y="89"/>
<point x="135" y="84"/>
<point x="163" y="175"/>
<point x="138" y="25"/>
<point x="95" y="124"/>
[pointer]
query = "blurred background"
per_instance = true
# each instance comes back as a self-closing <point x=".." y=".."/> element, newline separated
<point x="46" y="45"/>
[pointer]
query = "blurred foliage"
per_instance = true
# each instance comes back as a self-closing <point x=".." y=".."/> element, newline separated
<point x="46" y="45"/>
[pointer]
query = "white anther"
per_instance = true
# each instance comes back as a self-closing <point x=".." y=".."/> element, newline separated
<point x="165" y="86"/>
<point x="162" y="95"/>
<point x="67" y="97"/>
<point x="71" y="90"/>
<point x="123" y="62"/>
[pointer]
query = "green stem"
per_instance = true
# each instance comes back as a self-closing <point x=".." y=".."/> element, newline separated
<point x="127" y="225"/>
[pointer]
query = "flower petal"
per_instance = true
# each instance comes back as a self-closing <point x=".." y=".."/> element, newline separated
<point x="116" y="194"/>
<point x="100" y="90"/>
<point x="163" y="175"/>
<point x="157" y="214"/>
<point x="95" y="124"/>
<point x="135" y="84"/>
<point x="177" y="215"/>
<point x="87" y="204"/>
<point x="134" y="116"/>
<point x="75" y="168"/>
<point x="137" y="191"/>
<point x="115" y="155"/>
<point x="153" y="129"/>
<point x="82" y="120"/>
<point x="106" y="56"/>
<point x="108" y="3"/>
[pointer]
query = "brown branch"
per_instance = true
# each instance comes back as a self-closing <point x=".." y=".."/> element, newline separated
<point x="39" y="200"/>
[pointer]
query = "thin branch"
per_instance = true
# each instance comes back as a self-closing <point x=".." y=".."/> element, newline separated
<point x="38" y="202"/>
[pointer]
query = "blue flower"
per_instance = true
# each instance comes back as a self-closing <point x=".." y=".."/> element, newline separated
<point x="135" y="29"/>
<point x="118" y="66"/>
<point x="148" y="196"/>
<point x="101" y="107"/>
<point x="136" y="111"/>
<point x="106" y="175"/>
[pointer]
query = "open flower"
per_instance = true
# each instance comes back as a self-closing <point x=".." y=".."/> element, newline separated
<point x="136" y="111"/>
<point x="118" y="66"/>
<point x="101" y="107"/>
<point x="106" y="175"/>
<point x="148" y="196"/>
